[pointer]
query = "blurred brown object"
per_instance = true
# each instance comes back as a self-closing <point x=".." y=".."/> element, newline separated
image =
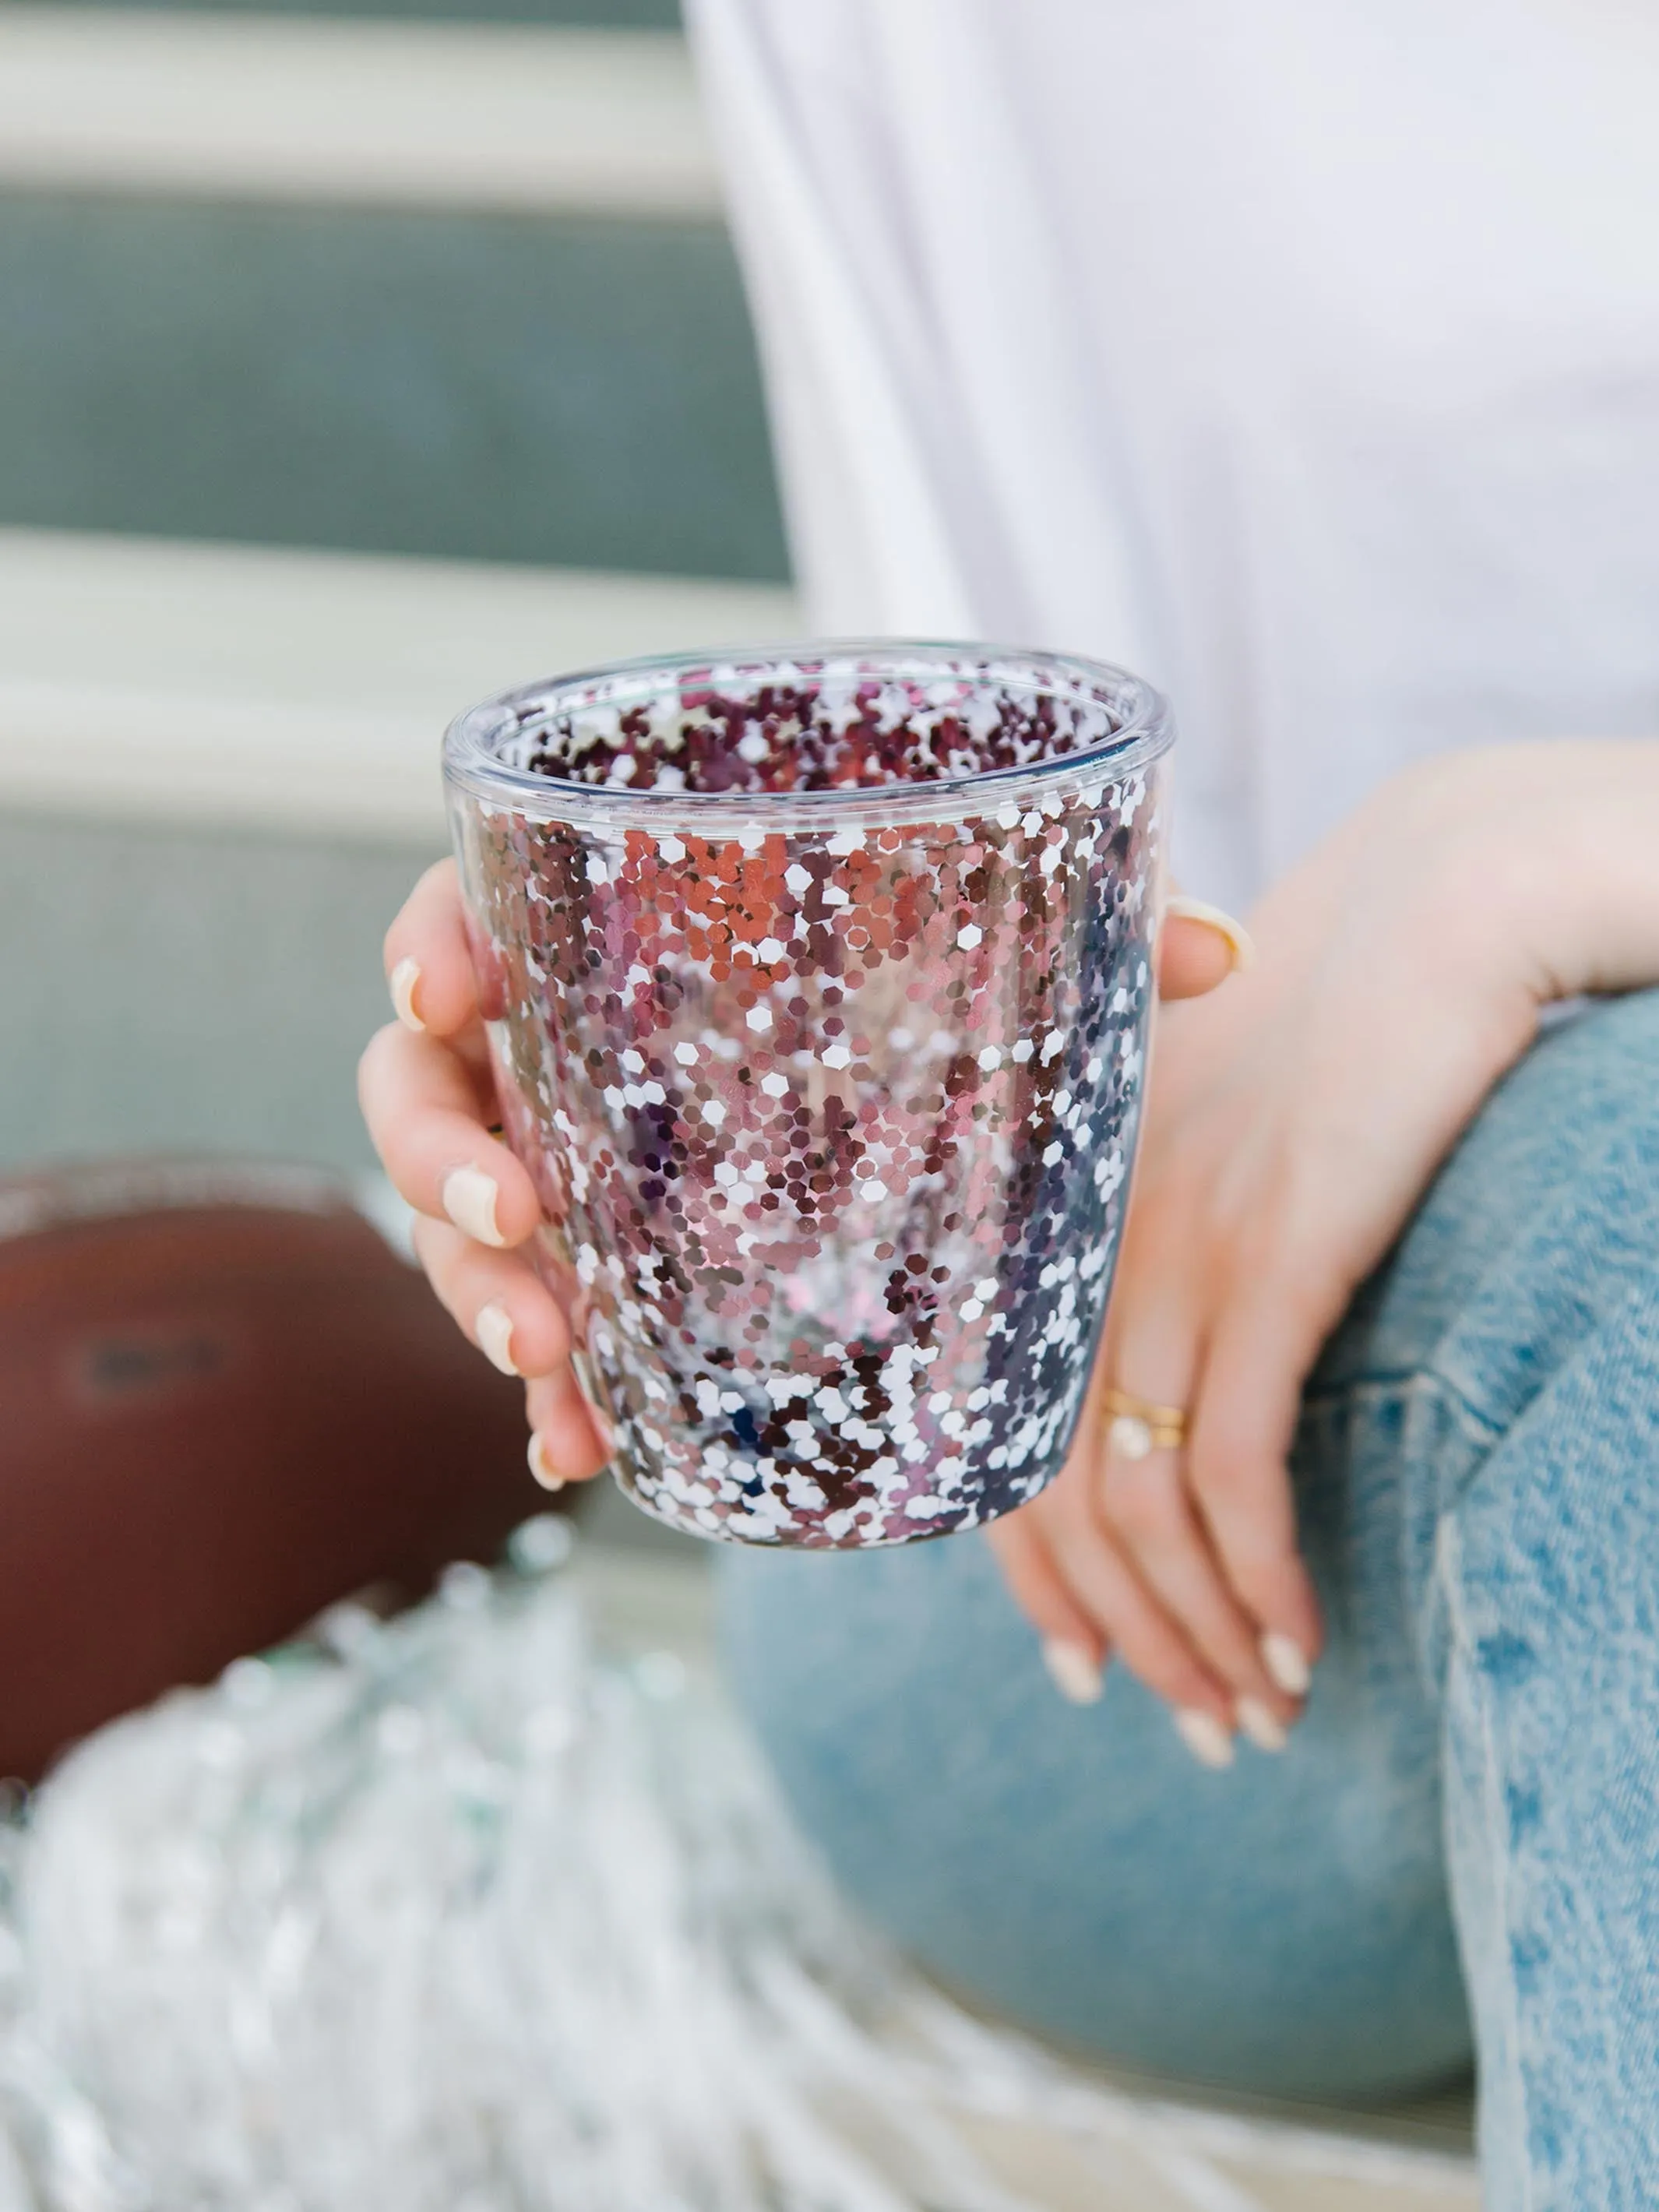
<point x="224" y="1402"/>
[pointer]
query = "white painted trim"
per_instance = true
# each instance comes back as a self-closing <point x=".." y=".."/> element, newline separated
<point x="297" y="108"/>
<point x="295" y="691"/>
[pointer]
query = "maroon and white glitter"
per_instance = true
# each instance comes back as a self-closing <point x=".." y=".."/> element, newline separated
<point x="818" y="986"/>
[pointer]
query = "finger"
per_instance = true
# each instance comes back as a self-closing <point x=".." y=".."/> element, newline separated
<point x="427" y="965"/>
<point x="1248" y="1401"/>
<point x="1101" y="1580"/>
<point x="497" y="1299"/>
<point x="1150" y="1348"/>
<point x="1199" y="946"/>
<point x="1153" y="1521"/>
<point x="568" y="1441"/>
<point x="423" y="1114"/>
<point x="1073" y="1649"/>
<point x="1152" y="1344"/>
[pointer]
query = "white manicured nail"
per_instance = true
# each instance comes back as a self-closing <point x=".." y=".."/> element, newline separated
<point x="1073" y="1670"/>
<point x="401" y="982"/>
<point x="1240" y="943"/>
<point x="1203" y="1736"/>
<point x="494" y="1329"/>
<point x="542" y="1468"/>
<point x="1265" y="1729"/>
<point x="1285" y="1661"/>
<point x="469" y="1196"/>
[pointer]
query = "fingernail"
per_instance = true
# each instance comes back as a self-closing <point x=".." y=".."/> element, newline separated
<point x="1240" y="943"/>
<point x="494" y="1329"/>
<point x="469" y="1197"/>
<point x="402" y="983"/>
<point x="1265" y="1729"/>
<point x="1073" y="1670"/>
<point x="1203" y="1736"/>
<point x="1284" y="1660"/>
<point x="542" y="1468"/>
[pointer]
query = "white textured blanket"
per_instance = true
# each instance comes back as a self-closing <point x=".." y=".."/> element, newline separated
<point x="448" y="1915"/>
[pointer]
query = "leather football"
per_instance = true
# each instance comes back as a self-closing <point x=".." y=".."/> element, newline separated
<point x="225" y="1401"/>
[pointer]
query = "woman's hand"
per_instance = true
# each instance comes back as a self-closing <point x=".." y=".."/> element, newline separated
<point x="428" y="1098"/>
<point x="1292" y="1124"/>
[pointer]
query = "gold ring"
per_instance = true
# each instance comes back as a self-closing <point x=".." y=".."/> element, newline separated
<point x="1134" y="1426"/>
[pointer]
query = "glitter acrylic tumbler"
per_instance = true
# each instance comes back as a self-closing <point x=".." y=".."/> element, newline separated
<point x="818" y="983"/>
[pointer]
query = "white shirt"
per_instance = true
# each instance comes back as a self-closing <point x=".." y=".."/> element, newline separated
<point x="1303" y="355"/>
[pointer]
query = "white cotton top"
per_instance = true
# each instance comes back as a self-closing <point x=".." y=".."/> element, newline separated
<point x="1303" y="355"/>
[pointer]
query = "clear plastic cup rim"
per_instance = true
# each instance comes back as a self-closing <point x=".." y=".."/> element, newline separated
<point x="1143" y="729"/>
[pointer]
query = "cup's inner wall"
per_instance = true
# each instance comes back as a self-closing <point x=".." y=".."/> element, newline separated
<point x="839" y="723"/>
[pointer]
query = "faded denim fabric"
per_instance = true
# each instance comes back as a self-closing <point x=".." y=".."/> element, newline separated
<point x="1471" y="1800"/>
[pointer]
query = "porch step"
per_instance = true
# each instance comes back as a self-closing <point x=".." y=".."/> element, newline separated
<point x="272" y="689"/>
<point x="456" y="290"/>
<point x="544" y="120"/>
<point x="605" y="14"/>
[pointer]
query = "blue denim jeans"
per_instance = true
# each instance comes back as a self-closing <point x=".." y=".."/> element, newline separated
<point x="1467" y="1823"/>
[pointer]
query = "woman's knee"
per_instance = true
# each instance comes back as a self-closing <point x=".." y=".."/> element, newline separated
<point x="1498" y="1379"/>
<point x="1281" y="1927"/>
<point x="1542" y="1226"/>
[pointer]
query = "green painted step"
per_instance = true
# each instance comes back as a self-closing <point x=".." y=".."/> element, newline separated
<point x="187" y="990"/>
<point x="558" y="389"/>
